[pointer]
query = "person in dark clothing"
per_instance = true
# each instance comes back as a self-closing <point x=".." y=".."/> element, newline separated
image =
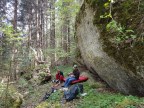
<point x="76" y="73"/>
<point x="73" y="76"/>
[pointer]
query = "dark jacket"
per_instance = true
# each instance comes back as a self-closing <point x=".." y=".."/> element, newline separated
<point x="76" y="73"/>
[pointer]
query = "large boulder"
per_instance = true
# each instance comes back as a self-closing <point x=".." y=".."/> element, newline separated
<point x="116" y="56"/>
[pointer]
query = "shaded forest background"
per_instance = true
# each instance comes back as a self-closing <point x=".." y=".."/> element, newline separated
<point x="38" y="36"/>
<point x="35" y="32"/>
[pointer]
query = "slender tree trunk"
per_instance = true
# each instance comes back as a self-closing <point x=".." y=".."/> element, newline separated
<point x="37" y="23"/>
<point x="61" y="34"/>
<point x="66" y="31"/>
<point x="46" y="33"/>
<point x="65" y="37"/>
<point x="69" y="41"/>
<point x="52" y="31"/>
<point x="13" y="62"/>
<point x="42" y="24"/>
<point x="15" y="16"/>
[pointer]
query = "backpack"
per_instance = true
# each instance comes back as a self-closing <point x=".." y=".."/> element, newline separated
<point x="73" y="92"/>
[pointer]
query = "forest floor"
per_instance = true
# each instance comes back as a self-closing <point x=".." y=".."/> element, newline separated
<point x="99" y="95"/>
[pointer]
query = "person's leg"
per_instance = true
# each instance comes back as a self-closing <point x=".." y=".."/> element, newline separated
<point x="66" y="81"/>
<point x="69" y="81"/>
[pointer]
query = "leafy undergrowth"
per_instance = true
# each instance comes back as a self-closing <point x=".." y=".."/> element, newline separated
<point x="98" y="96"/>
<point x="103" y="98"/>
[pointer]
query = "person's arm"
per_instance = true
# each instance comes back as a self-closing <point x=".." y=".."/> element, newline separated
<point x="71" y="73"/>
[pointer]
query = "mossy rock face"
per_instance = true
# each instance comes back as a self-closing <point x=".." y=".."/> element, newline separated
<point x="121" y="64"/>
<point x="10" y="98"/>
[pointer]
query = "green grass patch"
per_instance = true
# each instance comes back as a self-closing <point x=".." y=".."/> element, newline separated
<point x="93" y="99"/>
<point x="96" y="99"/>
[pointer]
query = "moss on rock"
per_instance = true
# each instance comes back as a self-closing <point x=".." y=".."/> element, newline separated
<point x="126" y="13"/>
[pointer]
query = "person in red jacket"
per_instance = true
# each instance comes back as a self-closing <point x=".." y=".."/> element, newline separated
<point x="60" y="76"/>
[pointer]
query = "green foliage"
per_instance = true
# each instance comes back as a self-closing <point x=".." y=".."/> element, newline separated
<point x="42" y="75"/>
<point x="122" y="34"/>
<point x="9" y="33"/>
<point x="40" y="68"/>
<point x="9" y="97"/>
<point x="25" y="60"/>
<point x="112" y="25"/>
<point x="57" y="96"/>
<point x="47" y="104"/>
<point x="25" y="63"/>
<point x="27" y="75"/>
<point x="22" y="82"/>
<point x="103" y="11"/>
<point x="17" y="103"/>
<point x="141" y="5"/>
<point x="66" y="12"/>
<point x="9" y="41"/>
<point x="64" y="7"/>
<point x="126" y="103"/>
<point x="106" y="16"/>
<point x="96" y="85"/>
<point x="44" y="105"/>
<point x="96" y="99"/>
<point x="106" y="6"/>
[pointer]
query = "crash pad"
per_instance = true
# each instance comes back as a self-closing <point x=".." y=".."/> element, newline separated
<point x="81" y="79"/>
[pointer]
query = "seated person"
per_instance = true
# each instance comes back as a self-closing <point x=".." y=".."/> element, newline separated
<point x="55" y="86"/>
<point x="73" y="76"/>
<point x="60" y="76"/>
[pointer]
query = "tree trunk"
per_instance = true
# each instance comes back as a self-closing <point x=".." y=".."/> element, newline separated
<point x="13" y="62"/>
<point x="15" y="16"/>
<point x="52" y="31"/>
<point x="69" y="41"/>
<point x="66" y="30"/>
<point x="37" y="23"/>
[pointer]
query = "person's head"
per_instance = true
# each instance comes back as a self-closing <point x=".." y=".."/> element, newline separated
<point x="75" y="67"/>
<point x="58" y="70"/>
